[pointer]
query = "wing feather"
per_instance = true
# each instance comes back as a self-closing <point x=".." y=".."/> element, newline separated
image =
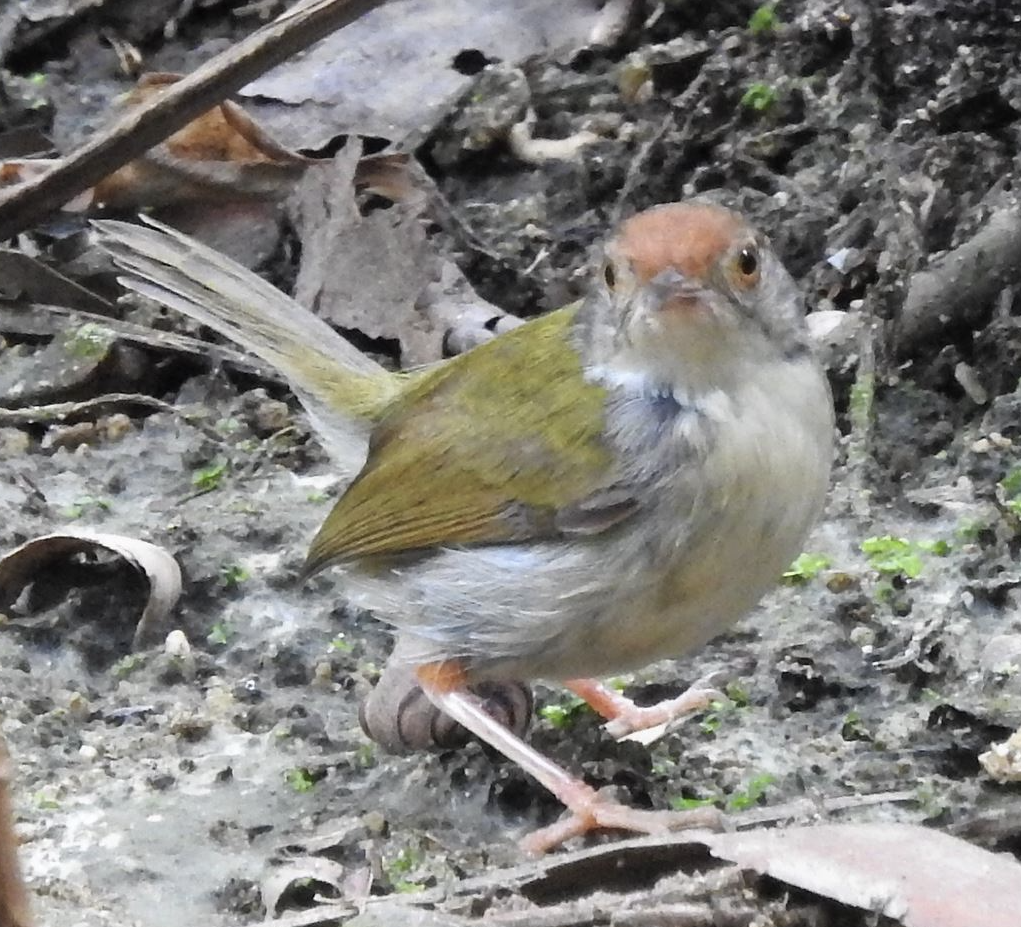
<point x="484" y="449"/>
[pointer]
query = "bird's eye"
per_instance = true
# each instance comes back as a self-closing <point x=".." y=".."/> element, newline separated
<point x="748" y="262"/>
<point x="746" y="267"/>
<point x="609" y="275"/>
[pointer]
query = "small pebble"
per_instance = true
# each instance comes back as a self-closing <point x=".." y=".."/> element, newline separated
<point x="270" y="417"/>
<point x="1003" y="761"/>
<point x="1002" y="654"/>
<point x="176" y="644"/>
<point x="78" y="705"/>
<point x="13" y="443"/>
<point x="71" y="436"/>
<point x="116" y="426"/>
<point x="374" y="822"/>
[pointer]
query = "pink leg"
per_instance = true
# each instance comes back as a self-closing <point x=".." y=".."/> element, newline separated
<point x="588" y="810"/>
<point x="625" y="717"/>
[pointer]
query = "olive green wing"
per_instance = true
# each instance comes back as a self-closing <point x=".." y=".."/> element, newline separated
<point x="505" y="443"/>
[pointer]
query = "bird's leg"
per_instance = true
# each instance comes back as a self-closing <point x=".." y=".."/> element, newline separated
<point x="625" y="717"/>
<point x="589" y="811"/>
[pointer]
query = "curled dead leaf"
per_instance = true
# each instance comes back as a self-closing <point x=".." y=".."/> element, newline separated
<point x="223" y="153"/>
<point x="328" y="876"/>
<point x="222" y="156"/>
<point x="26" y="564"/>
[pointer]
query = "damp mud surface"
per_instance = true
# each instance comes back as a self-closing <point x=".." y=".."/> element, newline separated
<point x="865" y="139"/>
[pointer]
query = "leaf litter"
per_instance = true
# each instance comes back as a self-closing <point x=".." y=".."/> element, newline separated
<point x="885" y="679"/>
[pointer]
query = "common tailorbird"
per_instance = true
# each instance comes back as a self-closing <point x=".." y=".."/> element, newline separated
<point x="602" y="487"/>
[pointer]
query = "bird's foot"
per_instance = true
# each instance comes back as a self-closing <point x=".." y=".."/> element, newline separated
<point x="594" y="812"/>
<point x="624" y="717"/>
<point x="588" y="809"/>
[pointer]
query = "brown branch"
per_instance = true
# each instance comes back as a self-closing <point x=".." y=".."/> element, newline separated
<point x="142" y="128"/>
<point x="955" y="289"/>
<point x="13" y="897"/>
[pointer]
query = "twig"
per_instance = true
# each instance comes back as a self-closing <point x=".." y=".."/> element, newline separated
<point x="591" y="867"/>
<point x="101" y="405"/>
<point x="33" y="324"/>
<point x="949" y="290"/>
<point x="13" y="897"/>
<point x="98" y="405"/>
<point x="861" y="413"/>
<point x="811" y="807"/>
<point x="637" y="167"/>
<point x="148" y="125"/>
<point x="23" y="273"/>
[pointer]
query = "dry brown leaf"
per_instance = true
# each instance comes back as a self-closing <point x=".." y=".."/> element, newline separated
<point x="393" y="72"/>
<point x="26" y="563"/>
<point x="379" y="274"/>
<point x="222" y="156"/>
<point x="918" y="876"/>
<point x="223" y="153"/>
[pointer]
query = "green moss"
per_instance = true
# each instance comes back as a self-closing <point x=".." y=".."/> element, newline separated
<point x="127" y="665"/>
<point x="206" y="479"/>
<point x="233" y="575"/>
<point x="398" y="867"/>
<point x="88" y="341"/>
<point x="863" y="394"/>
<point x="220" y="634"/>
<point x="759" y="98"/>
<point x="299" y="779"/>
<point x="751" y="794"/>
<point x="340" y="645"/>
<point x="564" y="713"/>
<point x="740" y="799"/>
<point x="805" y="568"/>
<point x="891" y="555"/>
<point x="86" y="504"/>
<point x="764" y="20"/>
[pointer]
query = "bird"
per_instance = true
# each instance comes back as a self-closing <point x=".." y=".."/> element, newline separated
<point x="607" y="485"/>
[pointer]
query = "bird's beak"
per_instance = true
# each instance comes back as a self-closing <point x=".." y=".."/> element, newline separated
<point x="671" y="291"/>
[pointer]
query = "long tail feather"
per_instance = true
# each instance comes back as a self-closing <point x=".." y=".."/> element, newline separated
<point x="342" y="388"/>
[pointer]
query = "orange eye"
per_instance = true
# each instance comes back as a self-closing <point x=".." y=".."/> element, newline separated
<point x="747" y="266"/>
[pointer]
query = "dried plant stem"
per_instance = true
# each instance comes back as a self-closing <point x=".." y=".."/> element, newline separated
<point x="13" y="896"/>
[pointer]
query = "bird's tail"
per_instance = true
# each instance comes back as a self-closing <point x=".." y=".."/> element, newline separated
<point x="342" y="389"/>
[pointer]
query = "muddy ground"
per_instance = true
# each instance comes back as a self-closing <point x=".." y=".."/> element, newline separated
<point x="154" y="793"/>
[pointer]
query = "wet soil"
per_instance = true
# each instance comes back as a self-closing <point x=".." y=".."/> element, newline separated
<point x="158" y="793"/>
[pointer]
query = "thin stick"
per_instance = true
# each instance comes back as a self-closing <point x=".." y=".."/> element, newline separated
<point x="13" y="897"/>
<point x="98" y="405"/>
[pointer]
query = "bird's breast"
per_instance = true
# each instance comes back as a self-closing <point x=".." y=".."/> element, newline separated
<point x="722" y="528"/>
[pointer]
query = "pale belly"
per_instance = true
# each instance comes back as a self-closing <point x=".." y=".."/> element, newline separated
<point x="692" y="564"/>
<point x="672" y="610"/>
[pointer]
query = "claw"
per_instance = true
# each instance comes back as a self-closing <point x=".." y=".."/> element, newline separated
<point x="625" y="718"/>
<point x="603" y="814"/>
